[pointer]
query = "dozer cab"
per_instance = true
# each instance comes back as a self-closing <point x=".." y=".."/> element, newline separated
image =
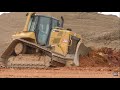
<point x="44" y="43"/>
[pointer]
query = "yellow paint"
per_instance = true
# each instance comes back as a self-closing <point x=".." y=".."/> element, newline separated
<point x="25" y="33"/>
<point x="29" y="35"/>
<point x="59" y="39"/>
<point x="27" y="21"/>
<point x="62" y="41"/>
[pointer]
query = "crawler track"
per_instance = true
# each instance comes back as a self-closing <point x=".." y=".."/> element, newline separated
<point x="42" y="59"/>
<point x="29" y="61"/>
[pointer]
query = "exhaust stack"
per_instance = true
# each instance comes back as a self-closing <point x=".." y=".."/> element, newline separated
<point x="62" y="21"/>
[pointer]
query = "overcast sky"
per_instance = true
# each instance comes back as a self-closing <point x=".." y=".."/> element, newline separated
<point x="113" y="13"/>
<point x="106" y="13"/>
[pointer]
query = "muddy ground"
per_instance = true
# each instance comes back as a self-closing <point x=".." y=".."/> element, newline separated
<point x="97" y="30"/>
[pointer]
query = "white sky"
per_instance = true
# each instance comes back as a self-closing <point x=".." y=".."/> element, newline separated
<point x="3" y="12"/>
<point x="111" y="13"/>
<point x="106" y="13"/>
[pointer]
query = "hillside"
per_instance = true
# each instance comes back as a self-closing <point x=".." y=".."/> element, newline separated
<point x="96" y="29"/>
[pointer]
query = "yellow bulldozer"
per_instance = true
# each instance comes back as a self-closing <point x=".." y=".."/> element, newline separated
<point x="44" y="43"/>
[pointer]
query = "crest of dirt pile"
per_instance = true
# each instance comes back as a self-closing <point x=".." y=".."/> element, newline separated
<point x="104" y="57"/>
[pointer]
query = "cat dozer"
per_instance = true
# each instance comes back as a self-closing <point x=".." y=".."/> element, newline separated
<point x="44" y="43"/>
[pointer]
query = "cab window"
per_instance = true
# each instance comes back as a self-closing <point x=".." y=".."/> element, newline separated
<point x="54" y="23"/>
<point x="32" y="23"/>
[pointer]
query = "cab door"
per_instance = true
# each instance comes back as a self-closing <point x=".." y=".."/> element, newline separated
<point x="43" y="30"/>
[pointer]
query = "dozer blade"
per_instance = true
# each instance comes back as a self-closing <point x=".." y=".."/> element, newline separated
<point x="81" y="50"/>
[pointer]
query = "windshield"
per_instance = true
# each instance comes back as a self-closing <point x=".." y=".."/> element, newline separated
<point x="44" y="24"/>
<point x="32" y="23"/>
<point x="42" y="21"/>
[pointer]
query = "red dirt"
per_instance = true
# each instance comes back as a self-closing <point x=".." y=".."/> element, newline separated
<point x="99" y="63"/>
<point x="104" y="57"/>
<point x="66" y="72"/>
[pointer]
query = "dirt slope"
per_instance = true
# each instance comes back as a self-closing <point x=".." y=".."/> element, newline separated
<point x="97" y="30"/>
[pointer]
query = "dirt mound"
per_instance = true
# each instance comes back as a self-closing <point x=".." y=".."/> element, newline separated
<point x="104" y="57"/>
